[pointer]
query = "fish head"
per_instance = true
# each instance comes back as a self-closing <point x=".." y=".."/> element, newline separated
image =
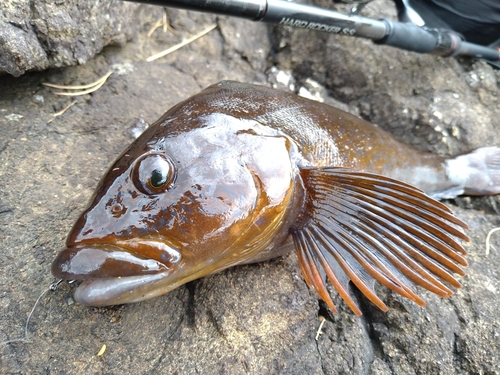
<point x="180" y="205"/>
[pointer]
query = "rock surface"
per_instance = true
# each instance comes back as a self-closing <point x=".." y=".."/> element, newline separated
<point x="256" y="319"/>
<point x="42" y="34"/>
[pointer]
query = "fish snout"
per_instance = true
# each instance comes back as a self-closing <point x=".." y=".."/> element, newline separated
<point x="113" y="274"/>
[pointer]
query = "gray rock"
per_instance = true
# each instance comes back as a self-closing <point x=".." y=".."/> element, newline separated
<point x="254" y="319"/>
<point x="42" y="34"/>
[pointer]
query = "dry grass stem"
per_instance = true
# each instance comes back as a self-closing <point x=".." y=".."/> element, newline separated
<point x="87" y="89"/>
<point x="319" y="332"/>
<point x="488" y="239"/>
<point x="163" y="22"/>
<point x="180" y="45"/>
<point x="61" y="112"/>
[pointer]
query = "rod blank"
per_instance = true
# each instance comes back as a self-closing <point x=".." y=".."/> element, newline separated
<point x="406" y="36"/>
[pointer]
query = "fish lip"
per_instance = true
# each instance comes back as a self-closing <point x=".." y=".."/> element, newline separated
<point x="117" y="291"/>
<point x="102" y="261"/>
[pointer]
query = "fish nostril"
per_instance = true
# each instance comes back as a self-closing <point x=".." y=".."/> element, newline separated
<point x="117" y="209"/>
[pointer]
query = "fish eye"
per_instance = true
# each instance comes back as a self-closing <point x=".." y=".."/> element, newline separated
<point x="153" y="173"/>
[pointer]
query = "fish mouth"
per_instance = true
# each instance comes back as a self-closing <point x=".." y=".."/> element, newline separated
<point x="115" y="274"/>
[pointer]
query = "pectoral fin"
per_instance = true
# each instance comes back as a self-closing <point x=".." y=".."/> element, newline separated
<point x="364" y="227"/>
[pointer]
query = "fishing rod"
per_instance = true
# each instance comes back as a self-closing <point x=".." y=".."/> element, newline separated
<point x="407" y="36"/>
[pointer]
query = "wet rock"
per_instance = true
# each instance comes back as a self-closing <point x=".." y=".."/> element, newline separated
<point x="40" y="34"/>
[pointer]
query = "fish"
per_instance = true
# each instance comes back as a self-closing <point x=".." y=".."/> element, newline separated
<point x="242" y="173"/>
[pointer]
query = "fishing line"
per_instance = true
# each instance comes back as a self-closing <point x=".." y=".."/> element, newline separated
<point x="52" y="287"/>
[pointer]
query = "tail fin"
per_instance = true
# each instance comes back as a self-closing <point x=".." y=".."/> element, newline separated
<point x="476" y="173"/>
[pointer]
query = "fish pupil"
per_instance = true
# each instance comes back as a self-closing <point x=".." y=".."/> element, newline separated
<point x="158" y="178"/>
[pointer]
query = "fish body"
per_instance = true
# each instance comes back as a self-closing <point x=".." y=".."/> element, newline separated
<point x="242" y="173"/>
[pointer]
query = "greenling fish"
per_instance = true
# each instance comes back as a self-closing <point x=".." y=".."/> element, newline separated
<point x="241" y="173"/>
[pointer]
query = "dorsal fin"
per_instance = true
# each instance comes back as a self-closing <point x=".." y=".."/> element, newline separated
<point x="364" y="227"/>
